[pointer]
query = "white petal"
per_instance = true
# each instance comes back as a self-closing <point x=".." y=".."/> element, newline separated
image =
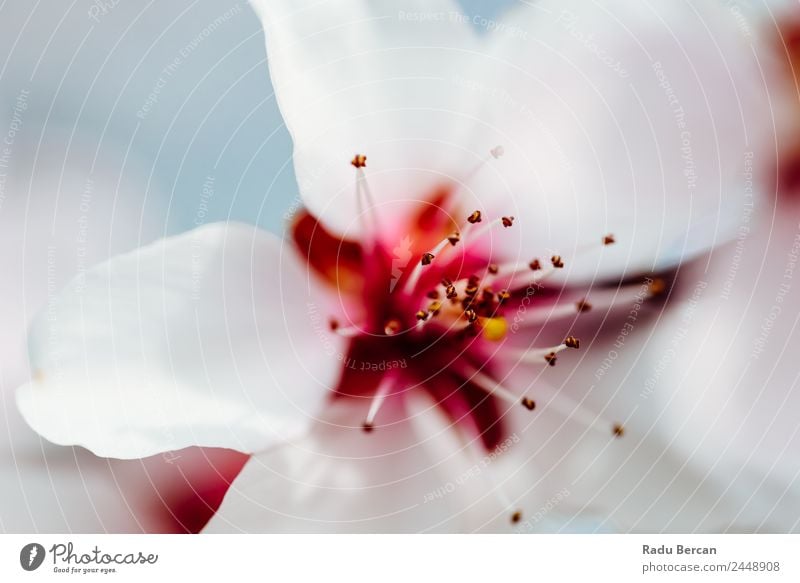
<point x="629" y="118"/>
<point x="216" y="337"/>
<point x="728" y="381"/>
<point x="412" y="474"/>
<point x="371" y="77"/>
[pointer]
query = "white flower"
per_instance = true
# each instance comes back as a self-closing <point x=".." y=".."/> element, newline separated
<point x="557" y="126"/>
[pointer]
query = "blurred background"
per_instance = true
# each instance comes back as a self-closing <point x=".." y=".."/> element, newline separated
<point x="123" y="121"/>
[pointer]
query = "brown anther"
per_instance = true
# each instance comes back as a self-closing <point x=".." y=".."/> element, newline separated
<point x="487" y="294"/>
<point x="618" y="430"/>
<point x="508" y="221"/>
<point x="516" y="517"/>
<point x="556" y="261"/>
<point x="471" y="315"/>
<point x="475" y="217"/>
<point x="503" y="295"/>
<point x="434" y="307"/>
<point x="359" y="161"/>
<point x="493" y="268"/>
<point x="474" y="279"/>
<point x="334" y="324"/>
<point x="528" y="403"/>
<point x="583" y="306"/>
<point x="367" y="427"/>
<point x="392" y="327"/>
<point x="451" y="292"/>
<point x="471" y="289"/>
<point x="422" y="315"/>
<point x="433" y="294"/>
<point x="657" y="287"/>
<point x="446" y="282"/>
<point x="535" y="265"/>
<point x="572" y="342"/>
<point x="454" y="238"/>
<point x="551" y="358"/>
<point x="427" y="258"/>
<point x="609" y="240"/>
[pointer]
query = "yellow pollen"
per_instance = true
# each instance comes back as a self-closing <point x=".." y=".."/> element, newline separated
<point x="495" y="329"/>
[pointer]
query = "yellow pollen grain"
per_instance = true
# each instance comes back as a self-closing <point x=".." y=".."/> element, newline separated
<point x="495" y="329"/>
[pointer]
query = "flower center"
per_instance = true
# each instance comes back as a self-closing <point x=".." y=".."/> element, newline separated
<point x="445" y="318"/>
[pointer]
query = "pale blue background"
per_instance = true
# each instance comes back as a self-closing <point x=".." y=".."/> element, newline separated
<point x="216" y="113"/>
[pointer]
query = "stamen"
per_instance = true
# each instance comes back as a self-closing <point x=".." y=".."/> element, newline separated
<point x="543" y="355"/>
<point x="347" y="332"/>
<point x="602" y="299"/>
<point x="508" y="272"/>
<point x="573" y="410"/>
<point x="494" y="388"/>
<point x="474" y="233"/>
<point x="359" y="161"/>
<point x="427" y="259"/>
<point x="377" y="402"/>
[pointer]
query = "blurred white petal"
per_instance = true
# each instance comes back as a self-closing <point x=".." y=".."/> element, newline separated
<point x="209" y="338"/>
